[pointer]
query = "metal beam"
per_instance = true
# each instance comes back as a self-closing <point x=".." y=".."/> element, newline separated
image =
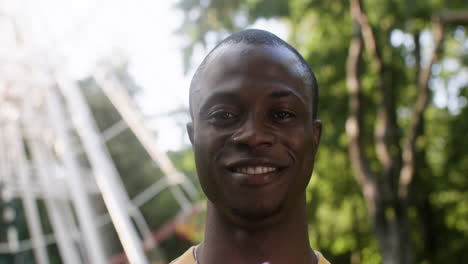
<point x="121" y="100"/>
<point x="36" y="132"/>
<point x="41" y="161"/>
<point x="18" y="158"/>
<point x="107" y="177"/>
<point x="73" y="178"/>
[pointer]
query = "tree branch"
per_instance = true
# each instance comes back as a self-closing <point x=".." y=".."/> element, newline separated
<point x="417" y="56"/>
<point x="386" y="129"/>
<point x="453" y="18"/>
<point x="447" y="18"/>
<point x="359" y="162"/>
<point x="417" y="119"/>
<point x="367" y="33"/>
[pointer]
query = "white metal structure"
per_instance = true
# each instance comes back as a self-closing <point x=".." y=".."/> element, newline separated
<point x="42" y="113"/>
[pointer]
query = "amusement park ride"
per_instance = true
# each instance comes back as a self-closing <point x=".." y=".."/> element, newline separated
<point x="45" y="121"/>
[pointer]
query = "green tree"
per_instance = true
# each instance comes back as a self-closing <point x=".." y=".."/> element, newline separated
<point x="377" y="110"/>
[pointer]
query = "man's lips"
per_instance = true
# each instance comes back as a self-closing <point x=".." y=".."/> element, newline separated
<point x="255" y="172"/>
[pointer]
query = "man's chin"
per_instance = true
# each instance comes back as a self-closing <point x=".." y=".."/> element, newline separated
<point x="256" y="217"/>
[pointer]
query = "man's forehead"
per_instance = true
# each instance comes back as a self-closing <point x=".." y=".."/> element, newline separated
<point x="242" y="55"/>
<point x="266" y="62"/>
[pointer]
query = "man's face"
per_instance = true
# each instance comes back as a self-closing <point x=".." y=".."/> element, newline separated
<point x="253" y="134"/>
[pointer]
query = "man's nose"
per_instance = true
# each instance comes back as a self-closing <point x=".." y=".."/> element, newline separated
<point x="253" y="133"/>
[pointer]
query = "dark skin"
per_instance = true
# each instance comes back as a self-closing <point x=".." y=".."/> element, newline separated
<point x="254" y="141"/>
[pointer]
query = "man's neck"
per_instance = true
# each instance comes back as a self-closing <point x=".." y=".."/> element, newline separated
<point x="283" y="242"/>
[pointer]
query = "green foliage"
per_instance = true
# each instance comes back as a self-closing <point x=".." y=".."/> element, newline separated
<point x="338" y="223"/>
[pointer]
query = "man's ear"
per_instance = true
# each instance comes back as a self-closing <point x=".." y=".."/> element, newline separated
<point x="190" y="131"/>
<point x="317" y="133"/>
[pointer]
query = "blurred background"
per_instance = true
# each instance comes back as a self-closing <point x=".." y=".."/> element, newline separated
<point x="95" y="165"/>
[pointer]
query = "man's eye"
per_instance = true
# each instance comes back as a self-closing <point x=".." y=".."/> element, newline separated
<point x="283" y="115"/>
<point x="222" y="116"/>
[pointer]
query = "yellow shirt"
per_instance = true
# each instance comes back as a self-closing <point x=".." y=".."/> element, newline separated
<point x="188" y="258"/>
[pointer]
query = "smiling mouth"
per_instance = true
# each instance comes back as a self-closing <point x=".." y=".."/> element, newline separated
<point x="255" y="170"/>
<point x="255" y="176"/>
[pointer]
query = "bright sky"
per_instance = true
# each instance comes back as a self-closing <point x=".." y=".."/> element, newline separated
<point x="75" y="34"/>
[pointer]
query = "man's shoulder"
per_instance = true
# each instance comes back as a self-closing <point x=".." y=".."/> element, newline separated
<point x="186" y="258"/>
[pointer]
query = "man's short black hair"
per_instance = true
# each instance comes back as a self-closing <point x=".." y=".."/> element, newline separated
<point x="260" y="37"/>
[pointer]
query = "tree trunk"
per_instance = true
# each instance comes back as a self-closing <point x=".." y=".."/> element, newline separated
<point x="386" y="192"/>
<point x="391" y="228"/>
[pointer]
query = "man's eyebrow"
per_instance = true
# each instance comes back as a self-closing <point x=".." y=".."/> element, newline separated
<point x="219" y="97"/>
<point x="286" y="93"/>
<point x="278" y="94"/>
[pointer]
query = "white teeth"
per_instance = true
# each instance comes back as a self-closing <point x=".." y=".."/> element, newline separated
<point x="255" y="170"/>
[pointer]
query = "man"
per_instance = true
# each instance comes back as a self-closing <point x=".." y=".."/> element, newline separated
<point x="254" y="132"/>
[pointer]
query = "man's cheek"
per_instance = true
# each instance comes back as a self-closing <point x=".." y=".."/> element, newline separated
<point x="295" y="141"/>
